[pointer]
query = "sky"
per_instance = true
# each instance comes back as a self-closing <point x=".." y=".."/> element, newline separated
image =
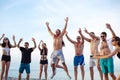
<point x="26" y="19"/>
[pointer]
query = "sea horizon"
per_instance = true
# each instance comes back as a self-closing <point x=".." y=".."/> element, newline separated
<point x="60" y="73"/>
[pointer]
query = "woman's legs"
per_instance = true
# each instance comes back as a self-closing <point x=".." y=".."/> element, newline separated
<point x="45" y="70"/>
<point x="41" y="69"/>
<point x="7" y="69"/>
<point x="3" y="69"/>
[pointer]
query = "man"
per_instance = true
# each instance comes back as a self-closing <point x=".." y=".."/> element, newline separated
<point x="79" y="58"/>
<point x="26" y="58"/>
<point x="106" y="47"/>
<point x="94" y="42"/>
<point x="57" y="47"/>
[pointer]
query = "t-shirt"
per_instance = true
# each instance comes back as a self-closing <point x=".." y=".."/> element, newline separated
<point x="26" y="55"/>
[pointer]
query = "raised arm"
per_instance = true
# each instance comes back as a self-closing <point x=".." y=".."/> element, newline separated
<point x="69" y="38"/>
<point x="39" y="45"/>
<point x="13" y="46"/>
<point x="33" y="39"/>
<point x="1" y="38"/>
<point x="87" y="39"/>
<point x="18" y="45"/>
<point x="109" y="55"/>
<point x="80" y="32"/>
<point x="64" y="29"/>
<point x="91" y="35"/>
<point x="49" y="30"/>
<point x="111" y="30"/>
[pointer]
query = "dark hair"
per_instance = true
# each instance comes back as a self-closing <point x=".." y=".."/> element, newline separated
<point x="63" y="44"/>
<point x="116" y="38"/>
<point x="92" y="32"/>
<point x="26" y="43"/>
<point x="4" y="44"/>
<point x="104" y="33"/>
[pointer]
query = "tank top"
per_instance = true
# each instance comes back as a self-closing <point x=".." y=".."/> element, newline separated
<point x="6" y="51"/>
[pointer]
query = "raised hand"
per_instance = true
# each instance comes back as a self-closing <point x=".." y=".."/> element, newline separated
<point x="47" y="23"/>
<point x="66" y="19"/>
<point x="85" y="30"/>
<point x="3" y="35"/>
<point x="79" y="30"/>
<point x="33" y="39"/>
<point x="13" y="37"/>
<point x="108" y="26"/>
<point x="21" y="39"/>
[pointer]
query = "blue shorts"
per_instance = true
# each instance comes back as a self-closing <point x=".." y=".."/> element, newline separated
<point x="25" y="66"/>
<point x="79" y="60"/>
<point x="107" y="65"/>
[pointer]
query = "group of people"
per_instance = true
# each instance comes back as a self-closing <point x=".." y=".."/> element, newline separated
<point x="102" y="59"/>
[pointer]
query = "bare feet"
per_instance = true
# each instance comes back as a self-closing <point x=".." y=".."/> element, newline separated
<point x="53" y="75"/>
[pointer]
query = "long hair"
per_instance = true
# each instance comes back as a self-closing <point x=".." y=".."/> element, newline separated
<point x="63" y="44"/>
<point x="4" y="44"/>
<point x="116" y="38"/>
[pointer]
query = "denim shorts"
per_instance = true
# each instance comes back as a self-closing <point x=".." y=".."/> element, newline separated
<point x="24" y="66"/>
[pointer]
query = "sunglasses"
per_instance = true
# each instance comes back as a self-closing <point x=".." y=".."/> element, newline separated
<point x="113" y="40"/>
<point x="102" y="36"/>
<point x="6" y="39"/>
<point x="78" y="38"/>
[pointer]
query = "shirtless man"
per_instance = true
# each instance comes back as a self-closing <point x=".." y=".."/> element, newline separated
<point x="57" y="47"/>
<point x="106" y="48"/>
<point x="79" y="58"/>
<point x="94" y="42"/>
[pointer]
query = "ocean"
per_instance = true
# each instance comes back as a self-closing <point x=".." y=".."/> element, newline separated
<point x="60" y="73"/>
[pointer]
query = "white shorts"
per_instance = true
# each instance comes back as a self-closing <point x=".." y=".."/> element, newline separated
<point x="92" y="62"/>
<point x="57" y="54"/>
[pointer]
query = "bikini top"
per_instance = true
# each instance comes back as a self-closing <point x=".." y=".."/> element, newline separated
<point x="43" y="52"/>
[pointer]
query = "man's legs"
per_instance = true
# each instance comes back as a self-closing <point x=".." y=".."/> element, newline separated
<point x="99" y="69"/>
<point x="91" y="73"/>
<point x="53" y="70"/>
<point x="106" y="76"/>
<point x="28" y="76"/>
<point x="75" y="72"/>
<point x="57" y="64"/>
<point x="66" y="69"/>
<point x="82" y="72"/>
<point x="113" y="76"/>
<point x="19" y="76"/>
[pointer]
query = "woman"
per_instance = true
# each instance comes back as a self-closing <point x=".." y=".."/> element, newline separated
<point x="6" y="57"/>
<point x="43" y="59"/>
<point x="116" y="43"/>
